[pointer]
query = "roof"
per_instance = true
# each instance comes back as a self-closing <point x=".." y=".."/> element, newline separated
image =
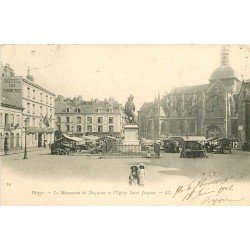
<point x="146" y="105"/>
<point x="72" y="138"/>
<point x="86" y="107"/>
<point x="224" y="71"/>
<point x="6" y="103"/>
<point x="190" y="89"/>
<point x="37" y="86"/>
<point x="194" y="138"/>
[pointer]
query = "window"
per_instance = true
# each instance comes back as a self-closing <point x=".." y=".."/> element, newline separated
<point x="34" y="122"/>
<point x="89" y="120"/>
<point x="12" y="119"/>
<point x="34" y="94"/>
<point x="41" y="97"/>
<point x="50" y="100"/>
<point x="58" y="119"/>
<point x="67" y="128"/>
<point x="111" y="128"/>
<point x="33" y="108"/>
<point x="47" y="99"/>
<point x="28" y="108"/>
<point x="100" y="120"/>
<point x="1" y="119"/>
<point x="59" y="127"/>
<point x="67" y="110"/>
<point x="78" y="128"/>
<point x="89" y="128"/>
<point x="99" y="110"/>
<point x="111" y="120"/>
<point x="18" y="120"/>
<point x="28" y="92"/>
<point x="78" y="119"/>
<point x="78" y="110"/>
<point x="41" y="110"/>
<point x="100" y="128"/>
<point x="6" y="118"/>
<point x="67" y="119"/>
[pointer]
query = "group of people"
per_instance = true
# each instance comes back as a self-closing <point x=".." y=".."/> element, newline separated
<point x="137" y="175"/>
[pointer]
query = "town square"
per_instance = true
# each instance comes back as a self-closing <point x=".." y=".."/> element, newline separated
<point x="173" y="143"/>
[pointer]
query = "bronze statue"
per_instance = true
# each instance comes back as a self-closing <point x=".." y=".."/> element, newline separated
<point x="130" y="110"/>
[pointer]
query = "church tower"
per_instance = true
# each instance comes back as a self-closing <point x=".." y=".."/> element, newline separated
<point x="225" y="73"/>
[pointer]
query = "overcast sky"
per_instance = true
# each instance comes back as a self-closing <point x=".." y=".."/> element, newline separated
<point x="99" y="71"/>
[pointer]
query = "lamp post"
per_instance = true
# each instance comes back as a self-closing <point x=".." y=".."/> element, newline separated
<point x="26" y="123"/>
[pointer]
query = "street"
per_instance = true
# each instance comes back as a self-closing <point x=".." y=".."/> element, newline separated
<point x="43" y="172"/>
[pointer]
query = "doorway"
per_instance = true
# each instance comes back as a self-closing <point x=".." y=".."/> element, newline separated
<point x="40" y="140"/>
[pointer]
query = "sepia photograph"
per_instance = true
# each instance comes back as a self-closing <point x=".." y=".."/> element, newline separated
<point x="125" y="124"/>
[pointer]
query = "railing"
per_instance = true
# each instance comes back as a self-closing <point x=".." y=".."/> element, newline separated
<point x="10" y="126"/>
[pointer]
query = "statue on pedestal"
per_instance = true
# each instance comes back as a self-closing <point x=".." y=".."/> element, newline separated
<point x="130" y="110"/>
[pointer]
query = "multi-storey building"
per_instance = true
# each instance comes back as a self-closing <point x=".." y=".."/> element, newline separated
<point x="77" y="117"/>
<point x="37" y="103"/>
<point x="10" y="125"/>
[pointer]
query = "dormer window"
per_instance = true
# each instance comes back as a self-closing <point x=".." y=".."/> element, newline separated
<point x="99" y="110"/>
<point x="111" y="110"/>
<point x="78" y="110"/>
<point x="67" y="110"/>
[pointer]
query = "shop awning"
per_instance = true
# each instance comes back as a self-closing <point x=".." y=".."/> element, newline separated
<point x="194" y="138"/>
<point x="76" y="139"/>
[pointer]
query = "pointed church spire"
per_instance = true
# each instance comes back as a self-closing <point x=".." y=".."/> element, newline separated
<point x="224" y="55"/>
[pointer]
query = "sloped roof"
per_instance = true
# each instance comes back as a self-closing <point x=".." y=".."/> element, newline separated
<point x="86" y="107"/>
<point x="194" y="138"/>
<point x="146" y="105"/>
<point x="190" y="89"/>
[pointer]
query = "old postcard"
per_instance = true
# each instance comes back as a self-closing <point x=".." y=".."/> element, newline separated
<point x="125" y="125"/>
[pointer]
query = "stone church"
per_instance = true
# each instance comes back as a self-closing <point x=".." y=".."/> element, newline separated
<point x="208" y="109"/>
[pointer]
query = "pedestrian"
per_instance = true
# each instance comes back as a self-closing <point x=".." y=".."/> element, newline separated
<point x="6" y="147"/>
<point x="148" y="152"/>
<point x="133" y="177"/>
<point x="141" y="174"/>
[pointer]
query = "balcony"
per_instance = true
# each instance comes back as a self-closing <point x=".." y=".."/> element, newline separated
<point x="10" y="126"/>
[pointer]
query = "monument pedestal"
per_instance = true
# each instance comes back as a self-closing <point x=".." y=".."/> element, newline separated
<point x="131" y="135"/>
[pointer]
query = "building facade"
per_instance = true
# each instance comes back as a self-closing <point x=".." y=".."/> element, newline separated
<point x="244" y="113"/>
<point x="208" y="109"/>
<point x="37" y="103"/>
<point x="150" y="117"/>
<point x="10" y="126"/>
<point x="77" y="117"/>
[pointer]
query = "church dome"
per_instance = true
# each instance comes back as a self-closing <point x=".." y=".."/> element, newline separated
<point x="224" y="71"/>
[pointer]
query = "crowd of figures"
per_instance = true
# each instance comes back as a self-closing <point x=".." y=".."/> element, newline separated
<point x="137" y="175"/>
